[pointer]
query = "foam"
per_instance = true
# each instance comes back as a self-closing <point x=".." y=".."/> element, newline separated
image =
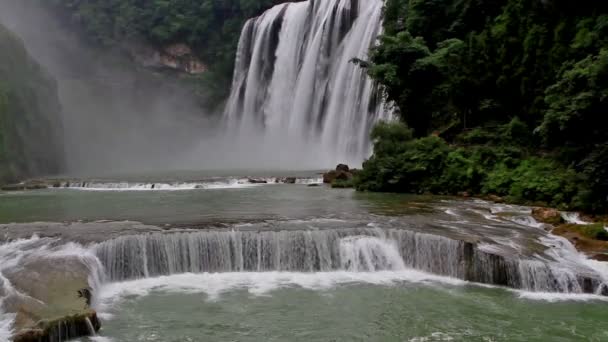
<point x="259" y="283"/>
<point x="560" y="297"/>
<point x="228" y="183"/>
<point x="6" y="323"/>
<point x="572" y="217"/>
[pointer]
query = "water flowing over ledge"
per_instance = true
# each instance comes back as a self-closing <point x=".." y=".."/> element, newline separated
<point x="208" y="184"/>
<point x="352" y="250"/>
<point x="295" y="91"/>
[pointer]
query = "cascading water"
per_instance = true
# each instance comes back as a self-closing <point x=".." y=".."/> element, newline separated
<point x="353" y="250"/>
<point x="245" y="257"/>
<point x="296" y="93"/>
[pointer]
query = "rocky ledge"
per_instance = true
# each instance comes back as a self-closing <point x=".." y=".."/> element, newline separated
<point x="589" y="237"/>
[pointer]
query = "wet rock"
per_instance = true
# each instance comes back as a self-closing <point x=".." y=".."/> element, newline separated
<point x="547" y="215"/>
<point x="55" y="304"/>
<point x="341" y="173"/>
<point x="61" y="329"/>
<point x="342" y="168"/>
<point x="329" y="177"/>
<point x="290" y="180"/>
<point x="313" y="185"/>
<point x="495" y="199"/>
<point x="257" y="181"/>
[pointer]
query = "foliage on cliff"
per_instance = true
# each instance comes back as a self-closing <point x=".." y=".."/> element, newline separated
<point x="471" y="71"/>
<point x="212" y="28"/>
<point x="29" y="114"/>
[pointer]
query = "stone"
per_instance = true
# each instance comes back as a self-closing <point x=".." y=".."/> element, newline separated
<point x="57" y="302"/>
<point x="341" y="173"/>
<point x="547" y="215"/>
<point x="495" y="198"/>
<point x="329" y="177"/>
<point x="257" y="181"/>
<point x="343" y="168"/>
<point x="290" y="180"/>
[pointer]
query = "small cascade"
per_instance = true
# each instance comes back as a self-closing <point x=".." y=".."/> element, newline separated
<point x="572" y="217"/>
<point x="210" y="184"/>
<point x="370" y="254"/>
<point x="296" y="88"/>
<point x="354" y="250"/>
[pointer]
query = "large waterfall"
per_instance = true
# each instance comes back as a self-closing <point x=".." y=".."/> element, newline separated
<point x="296" y="93"/>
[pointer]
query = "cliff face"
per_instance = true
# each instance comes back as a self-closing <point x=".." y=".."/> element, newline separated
<point x="30" y="122"/>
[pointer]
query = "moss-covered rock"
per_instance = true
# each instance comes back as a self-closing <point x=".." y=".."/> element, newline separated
<point x="30" y="123"/>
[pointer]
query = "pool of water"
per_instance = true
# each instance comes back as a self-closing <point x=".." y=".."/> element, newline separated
<point x="341" y="307"/>
<point x="339" y="304"/>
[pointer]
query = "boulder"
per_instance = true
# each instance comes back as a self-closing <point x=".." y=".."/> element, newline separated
<point x="58" y="297"/>
<point x="329" y="177"/>
<point x="341" y="173"/>
<point x="257" y="181"/>
<point x="547" y="215"/>
<point x="343" y="168"/>
<point x="290" y="180"/>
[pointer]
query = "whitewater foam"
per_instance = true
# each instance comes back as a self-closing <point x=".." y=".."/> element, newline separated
<point x="259" y="283"/>
<point x="229" y="183"/>
<point x="572" y="217"/>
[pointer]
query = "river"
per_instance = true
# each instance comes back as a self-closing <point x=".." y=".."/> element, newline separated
<point x="197" y="257"/>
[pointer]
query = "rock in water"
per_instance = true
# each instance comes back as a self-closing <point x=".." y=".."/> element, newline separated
<point x="342" y="168"/>
<point x="290" y="180"/>
<point x="52" y="307"/>
<point x="547" y="215"/>
<point x="341" y="173"/>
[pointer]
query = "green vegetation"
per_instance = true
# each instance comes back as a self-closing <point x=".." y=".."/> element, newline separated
<point x="210" y="27"/>
<point x="29" y="114"/>
<point x="504" y="97"/>
<point x="594" y="231"/>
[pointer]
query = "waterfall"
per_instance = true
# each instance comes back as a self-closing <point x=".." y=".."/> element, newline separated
<point x="295" y="91"/>
<point x="352" y="249"/>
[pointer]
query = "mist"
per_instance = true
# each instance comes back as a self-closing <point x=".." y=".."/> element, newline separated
<point x="121" y="118"/>
<point x="117" y="116"/>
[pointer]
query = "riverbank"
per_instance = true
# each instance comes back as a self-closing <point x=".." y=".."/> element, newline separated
<point x="589" y="236"/>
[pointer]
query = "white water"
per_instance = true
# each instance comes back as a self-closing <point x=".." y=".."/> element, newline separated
<point x="260" y="283"/>
<point x="369" y="254"/>
<point x="376" y="257"/>
<point x="296" y="97"/>
<point x="229" y="183"/>
<point x="572" y="217"/>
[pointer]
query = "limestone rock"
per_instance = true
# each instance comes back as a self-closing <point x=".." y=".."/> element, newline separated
<point x="547" y="215"/>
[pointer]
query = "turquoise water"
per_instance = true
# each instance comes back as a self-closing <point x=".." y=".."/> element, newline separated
<point x="355" y="312"/>
<point x="401" y="305"/>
